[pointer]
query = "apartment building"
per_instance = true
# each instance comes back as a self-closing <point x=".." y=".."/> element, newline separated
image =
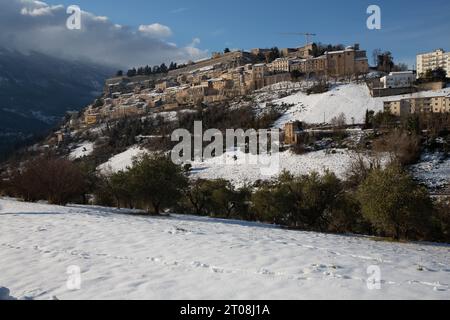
<point x="398" y="80"/>
<point x="433" y="60"/>
<point x="311" y="67"/>
<point x="404" y="107"/>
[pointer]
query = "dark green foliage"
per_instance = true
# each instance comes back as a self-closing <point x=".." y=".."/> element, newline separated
<point x="157" y="182"/>
<point x="301" y="202"/>
<point x="217" y="198"/>
<point x="394" y="204"/>
<point x="441" y="221"/>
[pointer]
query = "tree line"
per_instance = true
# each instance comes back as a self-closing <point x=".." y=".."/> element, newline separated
<point x="149" y="70"/>
<point x="371" y="200"/>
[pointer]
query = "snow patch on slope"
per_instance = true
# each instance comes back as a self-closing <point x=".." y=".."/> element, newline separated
<point x="240" y="172"/>
<point x="123" y="160"/>
<point x="83" y="150"/>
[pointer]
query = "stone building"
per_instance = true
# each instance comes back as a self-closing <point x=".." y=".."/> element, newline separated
<point x="292" y="133"/>
<point x="346" y="63"/>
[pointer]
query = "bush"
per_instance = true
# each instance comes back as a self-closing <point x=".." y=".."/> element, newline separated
<point x="217" y="198"/>
<point x="157" y="182"/>
<point x="301" y="202"/>
<point x="56" y="180"/>
<point x="441" y="221"/>
<point x="115" y="189"/>
<point x="197" y="198"/>
<point x="359" y="170"/>
<point x="402" y="146"/>
<point x="394" y="204"/>
<point x="345" y="216"/>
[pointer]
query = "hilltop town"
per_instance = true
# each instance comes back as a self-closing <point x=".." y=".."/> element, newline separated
<point x="222" y="78"/>
<point x="303" y="92"/>
<point x="230" y="75"/>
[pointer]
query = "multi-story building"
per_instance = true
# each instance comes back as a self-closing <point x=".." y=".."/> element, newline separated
<point x="280" y="65"/>
<point x="346" y="63"/>
<point x="433" y="60"/>
<point x="398" y="80"/>
<point x="311" y="67"/>
<point x="418" y="105"/>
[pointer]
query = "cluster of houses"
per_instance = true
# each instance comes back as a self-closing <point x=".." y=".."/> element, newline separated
<point x="222" y="77"/>
<point x="226" y="76"/>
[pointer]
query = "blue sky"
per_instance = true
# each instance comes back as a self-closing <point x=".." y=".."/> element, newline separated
<point x="408" y="26"/>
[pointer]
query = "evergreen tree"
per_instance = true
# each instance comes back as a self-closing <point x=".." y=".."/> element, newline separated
<point x="132" y="72"/>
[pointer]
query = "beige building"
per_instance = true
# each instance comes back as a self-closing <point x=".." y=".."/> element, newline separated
<point x="311" y="67"/>
<point x="433" y="60"/>
<point x="347" y="63"/>
<point x="418" y="105"/>
<point x="292" y="133"/>
<point x="304" y="52"/>
<point x="280" y="65"/>
<point x="344" y="63"/>
<point x="91" y="118"/>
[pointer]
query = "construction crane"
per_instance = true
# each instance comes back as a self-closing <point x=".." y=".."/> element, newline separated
<point x="307" y="35"/>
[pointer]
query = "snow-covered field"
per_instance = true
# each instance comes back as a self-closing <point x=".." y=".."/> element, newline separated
<point x="181" y="257"/>
<point x="247" y="169"/>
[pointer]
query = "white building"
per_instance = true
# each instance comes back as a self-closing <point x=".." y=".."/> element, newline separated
<point x="398" y="80"/>
<point x="433" y="60"/>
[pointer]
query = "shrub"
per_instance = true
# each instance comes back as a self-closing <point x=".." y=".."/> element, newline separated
<point x="359" y="170"/>
<point x="197" y="198"/>
<point x="56" y="180"/>
<point x="394" y="204"/>
<point x="441" y="221"/>
<point x="345" y="216"/>
<point x="402" y="146"/>
<point x="157" y="182"/>
<point x="115" y="189"/>
<point x="301" y="202"/>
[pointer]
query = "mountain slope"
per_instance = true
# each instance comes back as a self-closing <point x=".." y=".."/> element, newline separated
<point x="185" y="257"/>
<point x="36" y="90"/>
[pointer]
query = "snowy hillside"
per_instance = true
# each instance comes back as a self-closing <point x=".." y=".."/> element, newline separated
<point x="247" y="170"/>
<point x="123" y="160"/>
<point x="180" y="257"/>
<point x="351" y="99"/>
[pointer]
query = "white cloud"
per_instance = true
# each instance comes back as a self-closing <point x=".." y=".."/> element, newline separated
<point x="34" y="25"/>
<point x="156" y="30"/>
<point x="40" y="9"/>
